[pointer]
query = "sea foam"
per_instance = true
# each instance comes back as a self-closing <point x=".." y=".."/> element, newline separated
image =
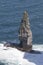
<point x="13" y="56"/>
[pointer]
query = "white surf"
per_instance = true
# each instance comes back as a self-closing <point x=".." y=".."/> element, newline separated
<point x="13" y="56"/>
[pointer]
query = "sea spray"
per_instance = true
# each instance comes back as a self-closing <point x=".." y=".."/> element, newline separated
<point x="12" y="56"/>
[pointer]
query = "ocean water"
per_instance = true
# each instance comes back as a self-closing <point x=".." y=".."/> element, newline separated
<point x="11" y="12"/>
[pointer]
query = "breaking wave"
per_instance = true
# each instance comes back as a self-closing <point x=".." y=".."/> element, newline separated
<point x="13" y="56"/>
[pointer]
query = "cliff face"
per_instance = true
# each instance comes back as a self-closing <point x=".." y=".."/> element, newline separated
<point x="25" y="32"/>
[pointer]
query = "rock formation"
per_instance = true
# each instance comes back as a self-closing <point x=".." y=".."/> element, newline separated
<point x="25" y="34"/>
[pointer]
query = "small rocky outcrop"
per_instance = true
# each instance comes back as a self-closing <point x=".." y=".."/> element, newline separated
<point x="25" y="34"/>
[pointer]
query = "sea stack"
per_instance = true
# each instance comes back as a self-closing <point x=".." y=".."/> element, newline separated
<point x="25" y="34"/>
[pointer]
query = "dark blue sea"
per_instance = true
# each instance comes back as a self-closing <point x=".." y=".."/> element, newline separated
<point x="11" y="12"/>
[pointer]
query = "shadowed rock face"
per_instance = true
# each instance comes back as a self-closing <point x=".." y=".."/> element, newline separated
<point x="25" y="34"/>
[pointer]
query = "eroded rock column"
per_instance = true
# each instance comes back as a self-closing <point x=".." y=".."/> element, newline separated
<point x="25" y="34"/>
